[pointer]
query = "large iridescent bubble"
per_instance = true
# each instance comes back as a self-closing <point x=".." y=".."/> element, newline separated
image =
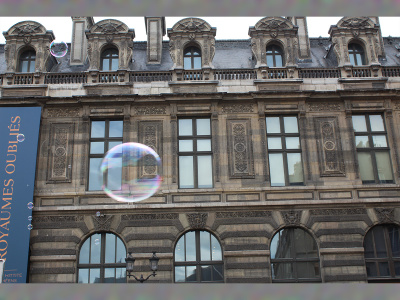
<point x="131" y="172"/>
<point x="58" y="48"/>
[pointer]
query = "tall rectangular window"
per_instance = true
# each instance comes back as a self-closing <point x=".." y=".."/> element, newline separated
<point x="195" y="155"/>
<point x="104" y="135"/>
<point x="372" y="149"/>
<point x="284" y="152"/>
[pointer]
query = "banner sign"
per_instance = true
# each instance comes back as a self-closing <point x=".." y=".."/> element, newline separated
<point x="19" y="134"/>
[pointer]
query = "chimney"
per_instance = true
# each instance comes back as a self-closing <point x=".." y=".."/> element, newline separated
<point x="79" y="40"/>
<point x="155" y="30"/>
<point x="304" y="41"/>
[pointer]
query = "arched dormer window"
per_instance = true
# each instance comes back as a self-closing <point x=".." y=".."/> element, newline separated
<point x="102" y="259"/>
<point x="27" y="61"/>
<point x="356" y="54"/>
<point x="192" y="58"/>
<point x="274" y="56"/>
<point x="109" y="60"/>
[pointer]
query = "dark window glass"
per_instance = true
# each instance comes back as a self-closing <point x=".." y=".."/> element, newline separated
<point x="294" y="256"/>
<point x="192" y="58"/>
<point x="381" y="252"/>
<point x="195" y="153"/>
<point x="104" y="135"/>
<point x="284" y="152"/>
<point x="198" y="258"/>
<point x="372" y="149"/>
<point x="274" y="55"/>
<point x="109" y="60"/>
<point x="102" y="259"/>
<point x="27" y="61"/>
<point x="356" y="54"/>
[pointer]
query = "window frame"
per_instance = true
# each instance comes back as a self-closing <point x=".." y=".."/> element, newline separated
<point x="192" y="56"/>
<point x="30" y="59"/>
<point x="355" y="48"/>
<point x="195" y="154"/>
<point x="276" y="51"/>
<point x="102" y="265"/>
<point x="373" y="150"/>
<point x="284" y="149"/>
<point x="198" y="263"/>
<point x="109" y="57"/>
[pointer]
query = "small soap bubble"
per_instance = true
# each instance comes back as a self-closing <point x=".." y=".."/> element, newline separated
<point x="58" y="48"/>
<point x="30" y="218"/>
<point x="96" y="242"/>
<point x="98" y="214"/>
<point x="131" y="172"/>
<point x="30" y="227"/>
<point x="20" y="137"/>
<point x="30" y="205"/>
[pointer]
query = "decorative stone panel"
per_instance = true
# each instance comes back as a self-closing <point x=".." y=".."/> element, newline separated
<point x="64" y="112"/>
<point x="150" y="134"/>
<point x="237" y="108"/>
<point x="291" y="217"/>
<point x="240" y="152"/>
<point x="60" y="152"/>
<point x="197" y="220"/>
<point x="329" y="147"/>
<point x="102" y="222"/>
<point x="150" y="110"/>
<point x="385" y="215"/>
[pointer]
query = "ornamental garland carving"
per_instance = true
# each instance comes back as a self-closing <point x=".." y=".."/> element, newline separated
<point x="357" y="22"/>
<point x="63" y="112"/>
<point x="162" y="216"/>
<point x="150" y="110"/>
<point x="243" y="214"/>
<point x="338" y="212"/>
<point x="385" y="215"/>
<point x="291" y="217"/>
<point x="197" y="220"/>
<point x="237" y="108"/>
<point x="58" y="219"/>
<point x="324" y="106"/>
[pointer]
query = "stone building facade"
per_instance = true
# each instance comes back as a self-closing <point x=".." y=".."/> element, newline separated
<point x="299" y="178"/>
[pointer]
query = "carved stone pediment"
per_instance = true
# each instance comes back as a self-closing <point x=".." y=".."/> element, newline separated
<point x="191" y="25"/>
<point x="26" y="28"/>
<point x="273" y="23"/>
<point x="355" y="22"/>
<point x="109" y="26"/>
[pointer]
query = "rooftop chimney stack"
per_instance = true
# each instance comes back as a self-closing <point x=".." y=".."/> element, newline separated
<point x="155" y="30"/>
<point x="79" y="40"/>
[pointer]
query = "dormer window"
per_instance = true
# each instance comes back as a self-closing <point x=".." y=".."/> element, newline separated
<point x="274" y="56"/>
<point x="192" y="58"/>
<point x="356" y="54"/>
<point x="27" y="61"/>
<point x="109" y="60"/>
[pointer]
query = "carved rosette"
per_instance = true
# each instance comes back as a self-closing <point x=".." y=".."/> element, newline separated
<point x="329" y="147"/>
<point x="150" y="134"/>
<point x="241" y="163"/>
<point x="61" y="152"/>
<point x="197" y="220"/>
<point x="385" y="215"/>
<point x="102" y="223"/>
<point x="291" y="217"/>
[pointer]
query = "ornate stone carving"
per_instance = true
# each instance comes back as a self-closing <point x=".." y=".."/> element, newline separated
<point x="329" y="147"/>
<point x="356" y="22"/>
<point x="338" y="212"/>
<point x="291" y="217"/>
<point x="28" y="28"/>
<point x="150" y="110"/>
<point x="63" y="112"/>
<point x="243" y="214"/>
<point x="241" y="164"/>
<point x="192" y="25"/>
<point x="103" y="222"/>
<point x="237" y="108"/>
<point x="324" y="106"/>
<point x="60" y="152"/>
<point x="385" y="215"/>
<point x="273" y="23"/>
<point x="161" y="216"/>
<point x="197" y="220"/>
<point x="150" y="134"/>
<point x="58" y="219"/>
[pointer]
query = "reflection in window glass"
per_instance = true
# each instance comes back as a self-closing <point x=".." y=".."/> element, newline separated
<point x="276" y="169"/>
<point x="273" y="125"/>
<point x="186" y="179"/>
<point x="204" y="168"/>
<point x="290" y="124"/>
<point x="359" y="124"/>
<point x="376" y="123"/>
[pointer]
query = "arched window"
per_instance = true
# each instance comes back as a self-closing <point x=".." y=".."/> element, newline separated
<point x="198" y="258"/>
<point x="102" y="259"/>
<point x="274" y="55"/>
<point x="356" y="54"/>
<point x="192" y="58"/>
<point x="294" y="256"/>
<point x="109" y="60"/>
<point x="382" y="253"/>
<point x="27" y="61"/>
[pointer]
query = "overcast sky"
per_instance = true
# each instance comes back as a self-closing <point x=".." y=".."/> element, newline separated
<point x="227" y="27"/>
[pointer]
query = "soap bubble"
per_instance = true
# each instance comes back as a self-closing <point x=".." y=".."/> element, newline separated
<point x="58" y="48"/>
<point x="30" y="218"/>
<point x="96" y="242"/>
<point x="130" y="172"/>
<point x="30" y="227"/>
<point x="98" y="214"/>
<point x="30" y="205"/>
<point x="20" y="137"/>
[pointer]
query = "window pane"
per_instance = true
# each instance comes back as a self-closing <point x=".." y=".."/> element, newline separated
<point x="278" y="61"/>
<point x="217" y="273"/>
<point x="84" y="253"/>
<point x="120" y="275"/>
<point x="32" y="66"/>
<point x="276" y="169"/>
<point x="95" y="246"/>
<point x="96" y="147"/>
<point x="274" y="143"/>
<point x="362" y="142"/>
<point x="368" y="246"/>
<point x="191" y="274"/>
<point x="359" y="124"/>
<point x="292" y="143"/>
<point x="180" y="250"/>
<point x="351" y="56"/>
<point x="295" y="168"/>
<point x="371" y="269"/>
<point x="307" y="269"/>
<point x="116" y="128"/>
<point x="206" y="273"/>
<point x="273" y="125"/>
<point x="204" y="167"/>
<point x="98" y="129"/>
<point x="113" y="144"/>
<point x="397" y="268"/>
<point x="186" y="179"/>
<point x="290" y="124"/>
<point x="83" y="276"/>
<point x="110" y="248"/>
<point x="185" y="127"/>
<point x="384" y="269"/>
<point x="270" y="61"/>
<point x="282" y="270"/>
<point x="359" y="59"/>
<point x="94" y="276"/>
<point x="216" y="249"/>
<point x="203" y="127"/>
<point x="376" y="123"/>
<point x="190" y="246"/>
<point x="281" y="245"/>
<point x="24" y="66"/>
<point x="379" y="141"/>
<point x="121" y="251"/>
<point x="187" y="63"/>
<point x="196" y="62"/>
<point x="304" y="244"/>
<point x="384" y="167"/>
<point x="105" y="64"/>
<point x="179" y="274"/>
<point x="114" y="175"/>
<point x="114" y="64"/>
<point x="379" y="238"/>
<point x="205" y="246"/>
<point x="365" y="165"/>
<point x="203" y="145"/>
<point x="109" y="275"/>
<point x="393" y="232"/>
<point x="95" y="175"/>
<point x="185" y="145"/>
